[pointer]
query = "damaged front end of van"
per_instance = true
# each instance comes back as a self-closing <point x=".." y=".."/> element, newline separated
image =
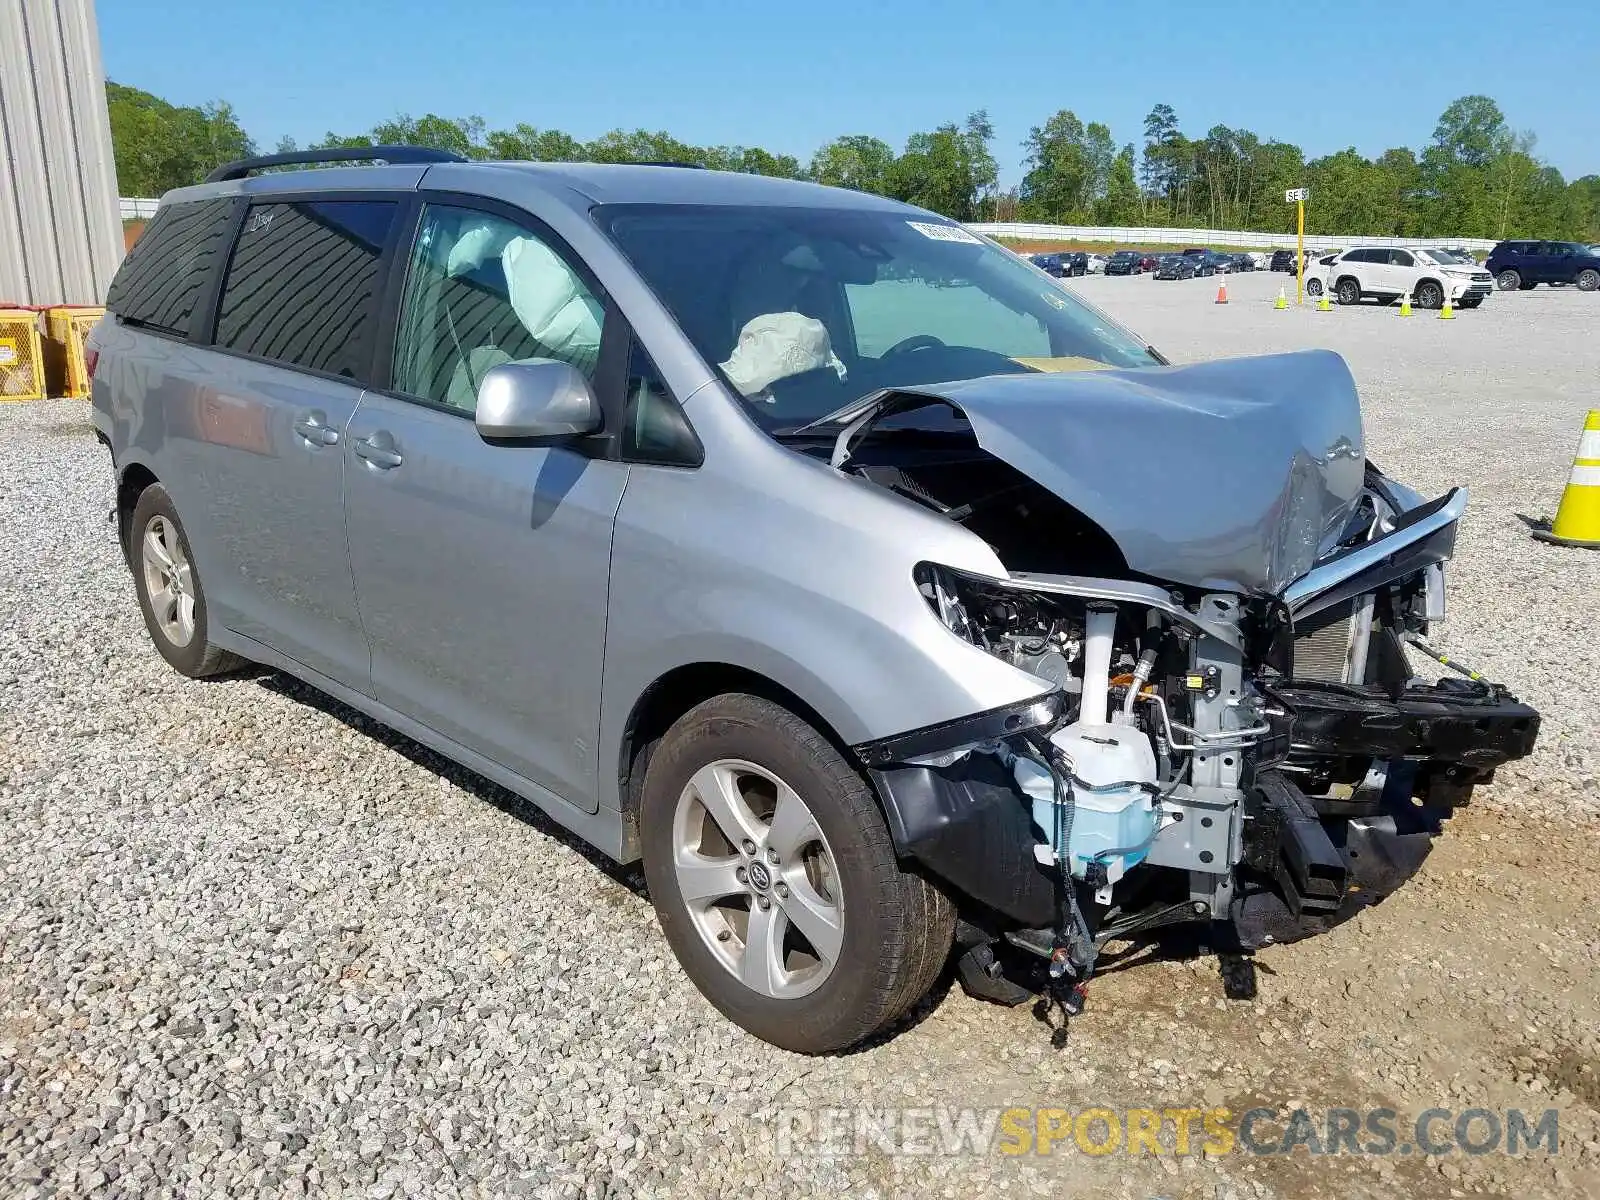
<point x="1227" y="599"/>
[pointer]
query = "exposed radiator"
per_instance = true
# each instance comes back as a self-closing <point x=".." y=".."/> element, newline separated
<point x="1322" y="643"/>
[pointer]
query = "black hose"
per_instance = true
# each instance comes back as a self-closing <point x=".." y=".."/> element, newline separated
<point x="1071" y="923"/>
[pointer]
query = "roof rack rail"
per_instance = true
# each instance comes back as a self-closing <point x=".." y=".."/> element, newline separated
<point x="333" y="154"/>
<point x="666" y="162"/>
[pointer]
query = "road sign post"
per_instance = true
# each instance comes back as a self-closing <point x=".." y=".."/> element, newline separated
<point x="1298" y="197"/>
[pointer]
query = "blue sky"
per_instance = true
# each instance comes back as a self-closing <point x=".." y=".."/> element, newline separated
<point x="790" y="76"/>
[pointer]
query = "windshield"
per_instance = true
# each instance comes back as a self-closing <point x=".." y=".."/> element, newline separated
<point x="804" y="310"/>
<point x="1443" y="258"/>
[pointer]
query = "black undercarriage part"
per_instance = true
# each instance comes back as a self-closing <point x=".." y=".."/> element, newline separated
<point x="1454" y="721"/>
<point x="1286" y="842"/>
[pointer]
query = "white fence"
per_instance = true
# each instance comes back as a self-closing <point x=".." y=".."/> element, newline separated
<point x="1204" y="237"/>
<point x="145" y="209"/>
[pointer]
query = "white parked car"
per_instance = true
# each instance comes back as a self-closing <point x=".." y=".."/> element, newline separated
<point x="1097" y="264"/>
<point x="1317" y="272"/>
<point x="1426" y="274"/>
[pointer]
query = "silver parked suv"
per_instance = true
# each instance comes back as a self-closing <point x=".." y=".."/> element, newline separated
<point x="888" y="602"/>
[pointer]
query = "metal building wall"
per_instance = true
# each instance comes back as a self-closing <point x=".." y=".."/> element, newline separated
<point x="60" y="236"/>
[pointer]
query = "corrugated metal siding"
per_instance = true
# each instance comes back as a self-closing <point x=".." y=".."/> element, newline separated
<point x="60" y="237"/>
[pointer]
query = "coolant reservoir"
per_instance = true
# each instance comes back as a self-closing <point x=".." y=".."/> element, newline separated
<point x="1116" y="825"/>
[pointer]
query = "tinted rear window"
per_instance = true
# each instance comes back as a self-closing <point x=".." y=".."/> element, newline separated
<point x="302" y="286"/>
<point x="161" y="280"/>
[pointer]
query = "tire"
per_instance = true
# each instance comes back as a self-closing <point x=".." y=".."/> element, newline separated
<point x="1473" y="303"/>
<point x="1527" y="287"/>
<point x="894" y="928"/>
<point x="176" y="615"/>
<point x="1348" y="290"/>
<point x="1430" y="295"/>
<point x="1313" y="287"/>
<point x="1588" y="280"/>
<point x="1508" y="280"/>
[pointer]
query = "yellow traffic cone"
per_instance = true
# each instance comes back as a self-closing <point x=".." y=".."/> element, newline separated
<point x="1446" y="313"/>
<point x="1577" y="521"/>
<point x="1323" y="304"/>
<point x="1282" y="302"/>
<point x="1405" y="305"/>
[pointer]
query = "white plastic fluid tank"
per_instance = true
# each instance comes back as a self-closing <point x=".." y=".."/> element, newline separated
<point x="1122" y="819"/>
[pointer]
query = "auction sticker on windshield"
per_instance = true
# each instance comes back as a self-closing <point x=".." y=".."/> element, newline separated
<point x="944" y="233"/>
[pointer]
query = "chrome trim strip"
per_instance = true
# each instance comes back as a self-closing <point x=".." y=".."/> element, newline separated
<point x="1302" y="594"/>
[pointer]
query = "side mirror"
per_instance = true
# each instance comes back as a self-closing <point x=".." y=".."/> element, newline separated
<point x="538" y="400"/>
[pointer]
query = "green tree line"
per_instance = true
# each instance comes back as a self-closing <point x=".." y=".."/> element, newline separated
<point x="1476" y="177"/>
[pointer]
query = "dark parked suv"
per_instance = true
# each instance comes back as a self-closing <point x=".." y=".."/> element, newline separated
<point x="1524" y="265"/>
<point x="1125" y="262"/>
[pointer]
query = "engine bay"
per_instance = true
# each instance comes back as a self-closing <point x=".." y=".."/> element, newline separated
<point x="1264" y="766"/>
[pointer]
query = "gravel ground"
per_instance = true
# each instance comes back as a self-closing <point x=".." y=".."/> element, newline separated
<point x="252" y="944"/>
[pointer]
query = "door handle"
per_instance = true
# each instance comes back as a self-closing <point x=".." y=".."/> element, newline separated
<point x="315" y="429"/>
<point x="379" y="451"/>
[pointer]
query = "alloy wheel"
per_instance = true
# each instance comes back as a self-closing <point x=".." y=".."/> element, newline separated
<point x="758" y="878"/>
<point x="168" y="580"/>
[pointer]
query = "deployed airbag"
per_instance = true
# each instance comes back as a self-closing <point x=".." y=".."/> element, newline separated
<point x="775" y="346"/>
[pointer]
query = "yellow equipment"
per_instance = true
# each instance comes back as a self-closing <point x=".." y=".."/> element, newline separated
<point x="21" y="358"/>
<point x="66" y="328"/>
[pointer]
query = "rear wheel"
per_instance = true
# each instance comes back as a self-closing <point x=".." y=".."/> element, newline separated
<point x="171" y="597"/>
<point x="1313" y="287"/>
<point x="1348" y="291"/>
<point x="776" y="882"/>
<point x="1429" y="294"/>
<point x="1508" y="280"/>
<point x="1588" y="279"/>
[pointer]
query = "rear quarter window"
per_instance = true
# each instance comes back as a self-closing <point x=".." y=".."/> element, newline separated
<point x="302" y="287"/>
<point x="162" y="279"/>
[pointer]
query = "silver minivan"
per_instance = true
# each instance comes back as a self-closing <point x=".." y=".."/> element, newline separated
<point x="890" y="603"/>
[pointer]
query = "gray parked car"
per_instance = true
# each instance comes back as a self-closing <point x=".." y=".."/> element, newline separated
<point x="888" y="602"/>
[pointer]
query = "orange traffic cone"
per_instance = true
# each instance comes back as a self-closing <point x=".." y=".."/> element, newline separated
<point x="1222" y="289"/>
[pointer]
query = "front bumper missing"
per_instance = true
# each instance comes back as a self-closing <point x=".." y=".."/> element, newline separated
<point x="1306" y="866"/>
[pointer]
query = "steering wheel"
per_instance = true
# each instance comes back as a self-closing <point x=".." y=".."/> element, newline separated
<point x="917" y="341"/>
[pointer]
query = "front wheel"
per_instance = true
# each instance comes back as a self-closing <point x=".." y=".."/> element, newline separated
<point x="1429" y="295"/>
<point x="776" y="882"/>
<point x="1508" y="280"/>
<point x="1588" y="279"/>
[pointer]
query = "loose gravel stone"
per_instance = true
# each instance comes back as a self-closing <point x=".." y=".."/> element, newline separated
<point x="253" y="944"/>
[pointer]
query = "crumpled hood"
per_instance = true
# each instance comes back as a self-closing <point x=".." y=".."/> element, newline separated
<point x="1231" y="476"/>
